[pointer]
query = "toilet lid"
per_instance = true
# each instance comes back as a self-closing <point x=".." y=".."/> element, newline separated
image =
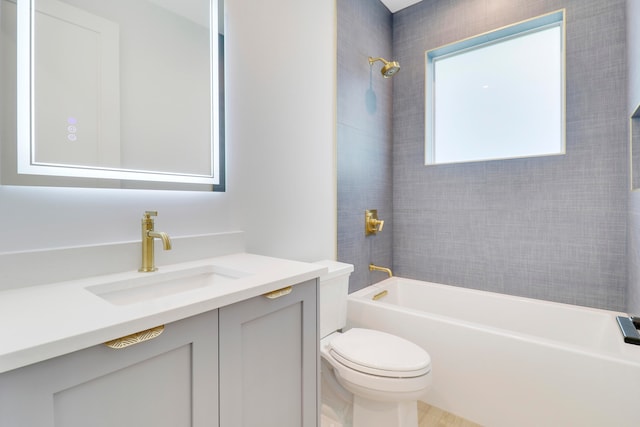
<point x="379" y="353"/>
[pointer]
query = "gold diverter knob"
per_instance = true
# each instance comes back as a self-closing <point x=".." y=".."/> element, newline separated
<point x="371" y="222"/>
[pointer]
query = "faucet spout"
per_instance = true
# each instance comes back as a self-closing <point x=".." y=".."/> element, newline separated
<point x="166" y="241"/>
<point x="373" y="267"/>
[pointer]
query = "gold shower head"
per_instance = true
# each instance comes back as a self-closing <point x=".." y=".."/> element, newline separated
<point x="388" y="69"/>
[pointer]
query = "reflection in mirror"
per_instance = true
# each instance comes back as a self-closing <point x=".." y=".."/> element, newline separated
<point x="634" y="133"/>
<point x="124" y="89"/>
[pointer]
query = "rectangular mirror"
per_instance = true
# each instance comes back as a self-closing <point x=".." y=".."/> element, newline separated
<point x="120" y="90"/>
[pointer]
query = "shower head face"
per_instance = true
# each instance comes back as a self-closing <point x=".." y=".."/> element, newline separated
<point x="389" y="69"/>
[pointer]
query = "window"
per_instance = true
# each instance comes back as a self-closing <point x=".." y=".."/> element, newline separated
<point x="498" y="95"/>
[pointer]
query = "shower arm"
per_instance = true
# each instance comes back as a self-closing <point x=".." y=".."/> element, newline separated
<point x="372" y="60"/>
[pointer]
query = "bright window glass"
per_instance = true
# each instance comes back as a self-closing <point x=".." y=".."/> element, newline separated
<point x="499" y="95"/>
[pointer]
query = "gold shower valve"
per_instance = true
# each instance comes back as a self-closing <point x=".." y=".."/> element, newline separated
<point x="371" y="222"/>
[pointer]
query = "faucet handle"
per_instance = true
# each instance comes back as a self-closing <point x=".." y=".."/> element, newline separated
<point x="149" y="214"/>
<point x="371" y="222"/>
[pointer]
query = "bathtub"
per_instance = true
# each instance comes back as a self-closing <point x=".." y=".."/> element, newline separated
<point x="500" y="360"/>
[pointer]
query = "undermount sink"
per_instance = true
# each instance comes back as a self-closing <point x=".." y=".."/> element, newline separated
<point x="149" y="286"/>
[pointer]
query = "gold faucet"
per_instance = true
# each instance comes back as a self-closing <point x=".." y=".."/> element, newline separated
<point x="371" y="222"/>
<point x="373" y="267"/>
<point x="148" y="237"/>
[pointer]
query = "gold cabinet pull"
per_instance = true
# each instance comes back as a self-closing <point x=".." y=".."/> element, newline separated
<point x="136" y="338"/>
<point x="279" y="293"/>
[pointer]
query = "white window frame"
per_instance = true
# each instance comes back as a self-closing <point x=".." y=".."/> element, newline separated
<point x="473" y="44"/>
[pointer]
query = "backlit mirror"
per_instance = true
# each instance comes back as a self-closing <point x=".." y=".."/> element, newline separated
<point x="120" y="89"/>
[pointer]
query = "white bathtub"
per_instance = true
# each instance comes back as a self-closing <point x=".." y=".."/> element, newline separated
<point x="508" y="361"/>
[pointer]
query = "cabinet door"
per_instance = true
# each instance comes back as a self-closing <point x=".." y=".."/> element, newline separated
<point x="269" y="360"/>
<point x="170" y="381"/>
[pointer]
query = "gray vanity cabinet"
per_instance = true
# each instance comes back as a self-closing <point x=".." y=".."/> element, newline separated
<point x="268" y="360"/>
<point x="252" y="364"/>
<point x="170" y="381"/>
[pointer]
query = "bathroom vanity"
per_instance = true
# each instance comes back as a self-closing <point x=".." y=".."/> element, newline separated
<point x="242" y="351"/>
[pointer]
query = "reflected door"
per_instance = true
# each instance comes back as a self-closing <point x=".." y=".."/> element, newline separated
<point x="76" y="87"/>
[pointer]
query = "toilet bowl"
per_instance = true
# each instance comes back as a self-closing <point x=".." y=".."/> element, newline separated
<point x="385" y="374"/>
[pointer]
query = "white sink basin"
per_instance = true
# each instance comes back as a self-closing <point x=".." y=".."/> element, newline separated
<point x="149" y="286"/>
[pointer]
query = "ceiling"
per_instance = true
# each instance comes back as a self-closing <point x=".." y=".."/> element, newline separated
<point x="396" y="5"/>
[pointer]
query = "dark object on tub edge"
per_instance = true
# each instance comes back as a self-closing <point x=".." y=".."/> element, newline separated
<point x="628" y="326"/>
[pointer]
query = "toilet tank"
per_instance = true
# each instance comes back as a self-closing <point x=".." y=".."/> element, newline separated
<point x="334" y="288"/>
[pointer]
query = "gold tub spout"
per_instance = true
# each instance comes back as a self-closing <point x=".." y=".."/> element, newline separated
<point x="373" y="267"/>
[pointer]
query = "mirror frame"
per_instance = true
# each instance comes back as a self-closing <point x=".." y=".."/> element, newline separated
<point x="78" y="174"/>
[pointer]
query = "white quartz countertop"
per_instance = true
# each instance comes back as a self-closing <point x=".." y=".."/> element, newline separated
<point x="41" y="322"/>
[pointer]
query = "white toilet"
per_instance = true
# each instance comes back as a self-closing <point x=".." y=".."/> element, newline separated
<point x="384" y="374"/>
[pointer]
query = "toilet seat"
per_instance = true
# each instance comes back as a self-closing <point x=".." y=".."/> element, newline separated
<point x="378" y="353"/>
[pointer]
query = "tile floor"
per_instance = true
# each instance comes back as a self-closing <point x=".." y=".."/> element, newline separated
<point x="430" y="416"/>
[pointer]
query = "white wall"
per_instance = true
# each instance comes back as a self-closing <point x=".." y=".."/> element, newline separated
<point x="280" y="152"/>
<point x="282" y="121"/>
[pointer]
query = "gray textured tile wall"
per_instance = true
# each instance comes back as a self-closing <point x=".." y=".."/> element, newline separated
<point x="364" y="137"/>
<point x="633" y="49"/>
<point x="550" y="227"/>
